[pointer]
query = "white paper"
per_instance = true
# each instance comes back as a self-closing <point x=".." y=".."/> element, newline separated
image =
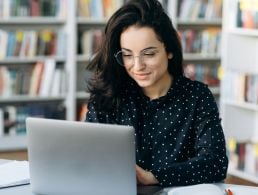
<point x="200" y="189"/>
<point x="212" y="189"/>
<point x="14" y="173"/>
<point x="244" y="190"/>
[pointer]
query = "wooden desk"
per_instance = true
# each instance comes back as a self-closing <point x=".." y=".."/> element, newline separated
<point x="14" y="155"/>
<point x="142" y="190"/>
<point x="26" y="190"/>
<point x="22" y="155"/>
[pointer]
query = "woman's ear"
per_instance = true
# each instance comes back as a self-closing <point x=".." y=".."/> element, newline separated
<point x="170" y="56"/>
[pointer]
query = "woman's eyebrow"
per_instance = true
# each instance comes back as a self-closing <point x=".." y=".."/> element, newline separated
<point x="126" y="49"/>
<point x="147" y="48"/>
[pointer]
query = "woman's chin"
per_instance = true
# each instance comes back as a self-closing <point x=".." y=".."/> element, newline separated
<point x="143" y="84"/>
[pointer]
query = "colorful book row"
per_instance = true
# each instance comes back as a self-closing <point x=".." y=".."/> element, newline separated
<point x="32" y="8"/>
<point x="90" y="41"/>
<point x="32" y="43"/>
<point x="205" y="41"/>
<point x="195" y="9"/>
<point x="247" y="14"/>
<point x="43" y="79"/>
<point x="12" y="118"/>
<point x="243" y="156"/>
<point x="241" y="87"/>
<point x="98" y="9"/>
<point x="206" y="73"/>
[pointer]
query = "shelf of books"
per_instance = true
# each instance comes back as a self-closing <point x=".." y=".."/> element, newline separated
<point x="239" y="92"/>
<point x="91" y="19"/>
<point x="199" y="26"/>
<point x="37" y="71"/>
<point x="33" y="66"/>
<point x="32" y="21"/>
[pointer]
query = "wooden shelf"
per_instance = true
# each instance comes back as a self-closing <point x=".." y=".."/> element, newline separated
<point x="26" y="98"/>
<point x="24" y="60"/>
<point x="243" y="105"/>
<point x="244" y="32"/>
<point x="201" y="57"/>
<point x="32" y="21"/>
<point x="91" y="21"/>
<point x="199" y="22"/>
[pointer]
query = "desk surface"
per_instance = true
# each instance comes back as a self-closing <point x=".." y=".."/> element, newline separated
<point x="141" y="190"/>
<point x="26" y="190"/>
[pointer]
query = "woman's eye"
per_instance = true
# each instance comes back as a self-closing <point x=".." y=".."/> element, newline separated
<point x="149" y="54"/>
<point x="127" y="55"/>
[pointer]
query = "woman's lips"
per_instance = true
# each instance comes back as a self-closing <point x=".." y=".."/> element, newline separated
<point x="141" y="76"/>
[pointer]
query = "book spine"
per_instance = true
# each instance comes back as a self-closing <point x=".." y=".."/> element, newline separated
<point x="36" y="78"/>
<point x="1" y="122"/>
<point x="243" y="156"/>
<point x="206" y="73"/>
<point x="247" y="14"/>
<point x="47" y="77"/>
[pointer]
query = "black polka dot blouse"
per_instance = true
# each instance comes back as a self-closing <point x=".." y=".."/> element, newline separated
<point x="178" y="136"/>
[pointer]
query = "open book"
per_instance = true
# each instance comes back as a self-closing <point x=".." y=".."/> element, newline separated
<point x="13" y="173"/>
<point x="213" y="189"/>
<point x="200" y="189"/>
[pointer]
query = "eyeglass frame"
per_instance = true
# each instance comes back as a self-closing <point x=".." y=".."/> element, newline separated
<point x="141" y="56"/>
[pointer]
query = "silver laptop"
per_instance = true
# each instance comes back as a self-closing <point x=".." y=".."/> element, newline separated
<point x="67" y="157"/>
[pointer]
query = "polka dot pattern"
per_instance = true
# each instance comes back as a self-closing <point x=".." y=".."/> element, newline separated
<point x="178" y="137"/>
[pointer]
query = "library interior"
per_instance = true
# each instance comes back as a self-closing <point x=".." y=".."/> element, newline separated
<point x="45" y="46"/>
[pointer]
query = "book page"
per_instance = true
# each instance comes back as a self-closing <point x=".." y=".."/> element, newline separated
<point x="200" y="189"/>
<point x="243" y="190"/>
<point x="14" y="173"/>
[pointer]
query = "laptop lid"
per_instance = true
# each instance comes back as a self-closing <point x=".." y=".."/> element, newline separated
<point x="68" y="157"/>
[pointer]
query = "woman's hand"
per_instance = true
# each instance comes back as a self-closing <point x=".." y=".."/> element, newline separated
<point x="145" y="177"/>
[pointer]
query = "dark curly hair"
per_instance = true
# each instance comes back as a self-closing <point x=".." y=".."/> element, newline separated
<point x="110" y="79"/>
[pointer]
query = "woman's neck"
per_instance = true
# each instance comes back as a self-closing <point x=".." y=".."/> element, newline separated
<point x="160" y="88"/>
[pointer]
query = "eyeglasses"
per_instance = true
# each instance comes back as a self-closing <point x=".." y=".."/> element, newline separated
<point x="126" y="58"/>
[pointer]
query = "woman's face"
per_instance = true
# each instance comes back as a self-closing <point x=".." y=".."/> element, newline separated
<point x="144" y="57"/>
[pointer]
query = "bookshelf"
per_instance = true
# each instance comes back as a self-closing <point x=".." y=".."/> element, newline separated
<point x="77" y="25"/>
<point x="196" y="21"/>
<point x="90" y="24"/>
<point x="31" y="34"/>
<point x="71" y="101"/>
<point x="239" y="94"/>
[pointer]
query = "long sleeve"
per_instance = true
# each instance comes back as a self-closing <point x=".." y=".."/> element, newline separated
<point x="210" y="162"/>
<point x="91" y="115"/>
<point x="179" y="136"/>
<point x="99" y="116"/>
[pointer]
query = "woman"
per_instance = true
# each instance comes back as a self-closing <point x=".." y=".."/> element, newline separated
<point x="139" y="82"/>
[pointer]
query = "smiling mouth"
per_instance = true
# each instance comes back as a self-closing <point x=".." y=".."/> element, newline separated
<point x="141" y="76"/>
